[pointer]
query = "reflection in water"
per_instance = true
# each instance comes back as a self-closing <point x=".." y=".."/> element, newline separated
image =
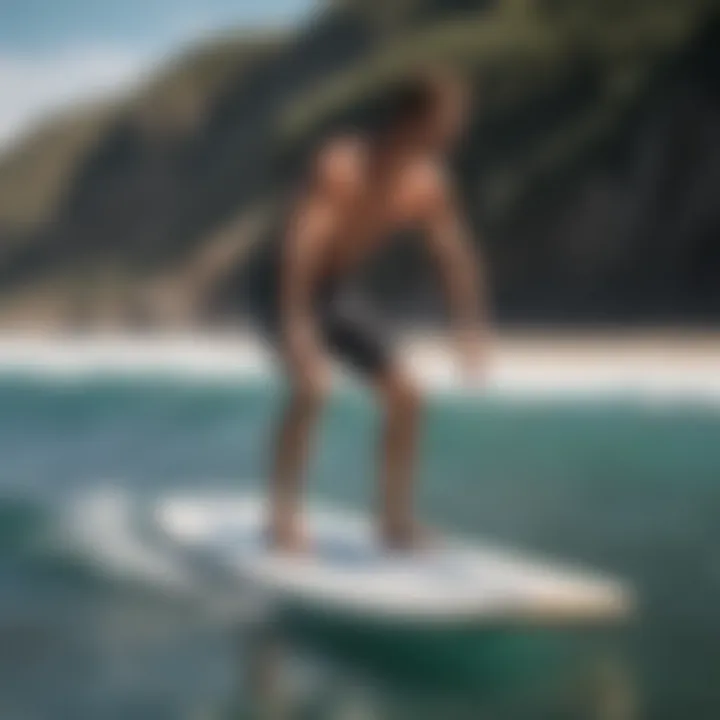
<point x="520" y="674"/>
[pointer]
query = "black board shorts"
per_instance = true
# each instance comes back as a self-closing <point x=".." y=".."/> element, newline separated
<point x="350" y="328"/>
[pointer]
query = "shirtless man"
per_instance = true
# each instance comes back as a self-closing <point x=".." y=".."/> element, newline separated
<point x="359" y="191"/>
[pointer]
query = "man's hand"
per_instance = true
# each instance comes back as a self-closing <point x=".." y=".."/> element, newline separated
<point x="306" y="361"/>
<point x="472" y="351"/>
<point x="460" y="265"/>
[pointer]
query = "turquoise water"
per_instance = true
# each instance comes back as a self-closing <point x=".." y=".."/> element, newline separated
<point x="93" y="627"/>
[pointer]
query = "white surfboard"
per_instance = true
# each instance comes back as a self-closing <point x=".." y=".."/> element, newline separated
<point x="348" y="572"/>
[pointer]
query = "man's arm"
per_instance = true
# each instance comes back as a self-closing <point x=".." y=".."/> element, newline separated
<point x="306" y="245"/>
<point x="462" y="273"/>
<point x="311" y="231"/>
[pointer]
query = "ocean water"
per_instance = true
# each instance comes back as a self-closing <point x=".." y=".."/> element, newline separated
<point x="97" y="623"/>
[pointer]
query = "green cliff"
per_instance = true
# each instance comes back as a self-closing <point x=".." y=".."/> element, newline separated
<point x="591" y="172"/>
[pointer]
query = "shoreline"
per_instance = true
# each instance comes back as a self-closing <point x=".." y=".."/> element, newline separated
<point x="651" y="364"/>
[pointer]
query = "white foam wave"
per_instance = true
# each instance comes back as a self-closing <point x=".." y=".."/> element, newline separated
<point x="665" y="369"/>
<point x="116" y="533"/>
<point x="101" y="526"/>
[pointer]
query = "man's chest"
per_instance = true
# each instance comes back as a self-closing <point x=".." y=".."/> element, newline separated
<point x="382" y="212"/>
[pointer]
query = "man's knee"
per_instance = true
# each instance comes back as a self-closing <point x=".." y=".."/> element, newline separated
<point x="308" y="400"/>
<point x="402" y="396"/>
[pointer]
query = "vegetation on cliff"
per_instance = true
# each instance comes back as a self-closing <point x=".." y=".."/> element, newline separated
<point x="591" y="171"/>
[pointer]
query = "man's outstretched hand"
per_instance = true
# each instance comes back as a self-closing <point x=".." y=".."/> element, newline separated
<point x="473" y="349"/>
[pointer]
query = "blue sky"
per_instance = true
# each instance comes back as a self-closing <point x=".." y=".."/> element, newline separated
<point x="55" y="53"/>
<point x="41" y="25"/>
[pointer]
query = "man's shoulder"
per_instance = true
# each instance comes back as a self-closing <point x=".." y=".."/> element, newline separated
<point x="342" y="161"/>
<point x="427" y="181"/>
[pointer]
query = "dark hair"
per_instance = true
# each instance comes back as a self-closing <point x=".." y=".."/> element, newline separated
<point x="415" y="94"/>
<point x="410" y="98"/>
<point x="405" y="98"/>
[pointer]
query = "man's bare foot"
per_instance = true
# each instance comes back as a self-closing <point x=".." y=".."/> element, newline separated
<point x="289" y="540"/>
<point x="410" y="538"/>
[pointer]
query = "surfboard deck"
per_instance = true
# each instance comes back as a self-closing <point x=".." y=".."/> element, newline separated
<point x="348" y="574"/>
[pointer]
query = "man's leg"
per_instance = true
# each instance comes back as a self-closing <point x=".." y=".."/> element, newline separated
<point x="357" y="336"/>
<point x="402" y="403"/>
<point x="291" y="452"/>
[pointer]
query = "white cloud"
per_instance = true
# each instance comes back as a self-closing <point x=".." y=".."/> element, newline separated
<point x="34" y="86"/>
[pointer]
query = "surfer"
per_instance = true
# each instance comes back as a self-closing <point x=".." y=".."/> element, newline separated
<point x="359" y="190"/>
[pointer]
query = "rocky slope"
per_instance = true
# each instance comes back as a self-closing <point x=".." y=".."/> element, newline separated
<point x="592" y="173"/>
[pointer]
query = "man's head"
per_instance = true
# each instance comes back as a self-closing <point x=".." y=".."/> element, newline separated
<point x="430" y="107"/>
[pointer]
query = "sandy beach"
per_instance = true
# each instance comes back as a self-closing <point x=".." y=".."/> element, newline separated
<point x="652" y="365"/>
